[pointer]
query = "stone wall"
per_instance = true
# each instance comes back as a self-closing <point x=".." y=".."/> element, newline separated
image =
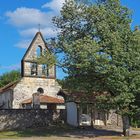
<point x="29" y="85"/>
<point x="20" y="119"/>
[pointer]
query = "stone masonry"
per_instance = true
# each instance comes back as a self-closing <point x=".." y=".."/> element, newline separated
<point x="31" y="55"/>
<point x="29" y="85"/>
<point x="20" y="119"/>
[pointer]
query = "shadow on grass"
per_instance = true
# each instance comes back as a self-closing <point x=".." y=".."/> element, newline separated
<point x="61" y="131"/>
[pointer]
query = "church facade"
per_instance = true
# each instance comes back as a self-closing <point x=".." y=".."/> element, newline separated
<point x="36" y="79"/>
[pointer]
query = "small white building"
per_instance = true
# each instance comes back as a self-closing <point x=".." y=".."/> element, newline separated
<point x="81" y="111"/>
<point x="81" y="115"/>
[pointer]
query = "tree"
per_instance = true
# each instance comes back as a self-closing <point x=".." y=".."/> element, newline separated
<point x="9" y="77"/>
<point x="101" y="53"/>
<point x="47" y="55"/>
<point x="135" y="82"/>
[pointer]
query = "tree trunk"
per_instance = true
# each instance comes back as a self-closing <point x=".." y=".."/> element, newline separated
<point x="126" y="126"/>
<point x="92" y="117"/>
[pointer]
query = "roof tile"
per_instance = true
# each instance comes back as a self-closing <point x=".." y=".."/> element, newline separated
<point x="45" y="99"/>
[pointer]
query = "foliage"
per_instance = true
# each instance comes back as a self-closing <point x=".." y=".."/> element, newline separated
<point x="135" y="122"/>
<point x="9" y="77"/>
<point x="46" y="58"/>
<point x="101" y="52"/>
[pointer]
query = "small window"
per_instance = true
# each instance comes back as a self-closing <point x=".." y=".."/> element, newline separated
<point x="40" y="90"/>
<point x="45" y="70"/>
<point x="38" y="51"/>
<point x="33" y="69"/>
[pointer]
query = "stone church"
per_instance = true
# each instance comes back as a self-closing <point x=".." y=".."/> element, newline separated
<point x="37" y="85"/>
<point x="38" y="88"/>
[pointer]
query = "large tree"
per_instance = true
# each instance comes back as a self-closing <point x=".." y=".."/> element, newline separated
<point x="101" y="52"/>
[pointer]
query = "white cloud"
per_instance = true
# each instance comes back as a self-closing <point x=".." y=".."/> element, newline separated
<point x="27" y="19"/>
<point x="54" y="5"/>
<point x="28" y="32"/>
<point x="23" y="17"/>
<point x="23" y="43"/>
<point x="47" y="32"/>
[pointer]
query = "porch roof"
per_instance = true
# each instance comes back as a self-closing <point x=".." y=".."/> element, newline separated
<point x="45" y="99"/>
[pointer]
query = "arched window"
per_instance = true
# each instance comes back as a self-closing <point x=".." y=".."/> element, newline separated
<point x="38" y="51"/>
<point x="40" y="90"/>
<point x="33" y="69"/>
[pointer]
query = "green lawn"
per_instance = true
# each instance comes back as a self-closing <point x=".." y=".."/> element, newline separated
<point x="39" y="132"/>
<point x="59" y="133"/>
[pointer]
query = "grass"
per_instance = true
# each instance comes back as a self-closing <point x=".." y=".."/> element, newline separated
<point x="61" y="132"/>
<point x="38" y="132"/>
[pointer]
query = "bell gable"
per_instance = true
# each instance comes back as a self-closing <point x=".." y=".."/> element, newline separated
<point x="29" y="67"/>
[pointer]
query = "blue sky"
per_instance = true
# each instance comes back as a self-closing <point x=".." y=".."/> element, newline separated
<point x="19" y="21"/>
